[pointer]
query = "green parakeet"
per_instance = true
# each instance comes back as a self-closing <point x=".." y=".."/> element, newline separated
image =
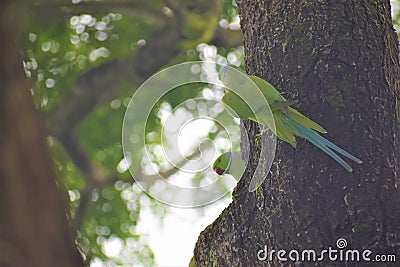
<point x="289" y="123"/>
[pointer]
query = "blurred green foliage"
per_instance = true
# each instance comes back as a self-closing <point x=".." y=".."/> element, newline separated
<point x="69" y="41"/>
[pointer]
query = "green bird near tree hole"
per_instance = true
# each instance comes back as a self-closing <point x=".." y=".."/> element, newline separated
<point x="289" y="123"/>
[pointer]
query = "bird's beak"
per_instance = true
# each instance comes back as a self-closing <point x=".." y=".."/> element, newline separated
<point x="219" y="171"/>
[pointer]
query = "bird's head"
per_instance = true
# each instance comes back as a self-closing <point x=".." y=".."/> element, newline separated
<point x="222" y="163"/>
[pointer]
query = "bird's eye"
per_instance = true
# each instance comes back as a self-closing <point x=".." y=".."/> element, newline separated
<point x="219" y="160"/>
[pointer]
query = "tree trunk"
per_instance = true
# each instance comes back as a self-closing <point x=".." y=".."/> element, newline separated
<point x="34" y="229"/>
<point x="340" y="59"/>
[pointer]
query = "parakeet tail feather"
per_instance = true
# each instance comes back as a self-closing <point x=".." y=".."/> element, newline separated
<point x="325" y="145"/>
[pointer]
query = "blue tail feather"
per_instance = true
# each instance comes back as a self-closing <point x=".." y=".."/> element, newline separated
<point x="325" y="145"/>
<point x="330" y="144"/>
<point x="338" y="149"/>
<point x="324" y="148"/>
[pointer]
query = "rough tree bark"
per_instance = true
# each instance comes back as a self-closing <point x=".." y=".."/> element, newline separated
<point x="340" y="60"/>
<point x="34" y="229"/>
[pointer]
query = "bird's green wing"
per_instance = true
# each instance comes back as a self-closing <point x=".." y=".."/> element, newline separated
<point x="283" y="128"/>
<point x="269" y="92"/>
<point x="238" y="105"/>
<point x="277" y="105"/>
<point x="306" y="121"/>
<point x="277" y="101"/>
